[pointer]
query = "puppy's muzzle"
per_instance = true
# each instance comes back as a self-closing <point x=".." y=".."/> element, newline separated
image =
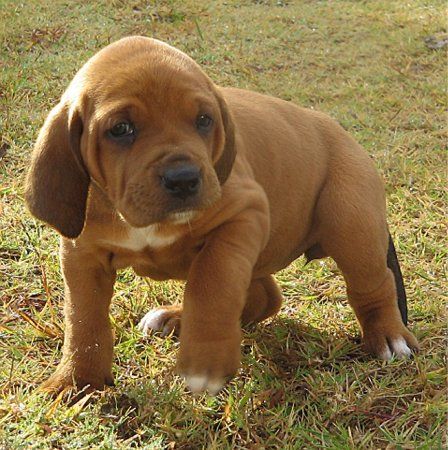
<point x="182" y="181"/>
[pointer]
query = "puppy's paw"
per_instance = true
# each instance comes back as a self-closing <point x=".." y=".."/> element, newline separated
<point x="164" y="320"/>
<point x="204" y="383"/>
<point x="390" y="342"/>
<point x="207" y="366"/>
<point x="75" y="385"/>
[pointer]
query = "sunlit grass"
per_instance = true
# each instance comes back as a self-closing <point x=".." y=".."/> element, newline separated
<point x="304" y="382"/>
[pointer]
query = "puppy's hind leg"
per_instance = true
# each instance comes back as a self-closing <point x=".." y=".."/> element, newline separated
<point x="353" y="231"/>
<point x="263" y="300"/>
<point x="164" y="320"/>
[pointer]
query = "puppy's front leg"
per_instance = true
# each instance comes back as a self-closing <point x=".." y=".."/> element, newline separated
<point x="214" y="299"/>
<point x="88" y="340"/>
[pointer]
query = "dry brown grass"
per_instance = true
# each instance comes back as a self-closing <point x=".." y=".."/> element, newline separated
<point x="304" y="383"/>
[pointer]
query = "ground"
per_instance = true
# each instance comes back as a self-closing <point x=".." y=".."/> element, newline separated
<point x="377" y="67"/>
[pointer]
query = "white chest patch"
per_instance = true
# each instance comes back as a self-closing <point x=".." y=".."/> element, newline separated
<point x="139" y="238"/>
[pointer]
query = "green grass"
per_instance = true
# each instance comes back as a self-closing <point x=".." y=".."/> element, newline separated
<point x="304" y="382"/>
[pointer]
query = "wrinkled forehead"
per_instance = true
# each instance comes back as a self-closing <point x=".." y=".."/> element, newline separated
<point x="142" y="68"/>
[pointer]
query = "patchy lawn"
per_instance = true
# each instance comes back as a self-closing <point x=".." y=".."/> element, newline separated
<point x="304" y="383"/>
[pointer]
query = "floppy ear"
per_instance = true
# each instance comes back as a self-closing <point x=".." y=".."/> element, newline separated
<point x="57" y="182"/>
<point x="224" y="164"/>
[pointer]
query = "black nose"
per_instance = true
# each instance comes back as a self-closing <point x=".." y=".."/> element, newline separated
<point x="182" y="181"/>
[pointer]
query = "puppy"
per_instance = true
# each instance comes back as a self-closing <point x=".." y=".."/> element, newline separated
<point x="146" y="163"/>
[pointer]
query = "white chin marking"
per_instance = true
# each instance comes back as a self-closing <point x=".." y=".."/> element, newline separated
<point x="152" y="321"/>
<point x="202" y="383"/>
<point x="182" y="217"/>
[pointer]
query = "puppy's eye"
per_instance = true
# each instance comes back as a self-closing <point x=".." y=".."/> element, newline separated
<point x="204" y="122"/>
<point x="122" y="130"/>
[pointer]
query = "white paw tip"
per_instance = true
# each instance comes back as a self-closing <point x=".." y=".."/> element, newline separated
<point x="201" y="383"/>
<point x="400" y="348"/>
<point x="214" y="386"/>
<point x="385" y="355"/>
<point x="153" y="320"/>
<point x="196" y="383"/>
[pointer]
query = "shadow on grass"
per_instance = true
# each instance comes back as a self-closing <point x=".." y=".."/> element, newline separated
<point x="289" y="345"/>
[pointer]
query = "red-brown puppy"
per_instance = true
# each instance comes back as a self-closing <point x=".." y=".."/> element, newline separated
<point x="146" y="163"/>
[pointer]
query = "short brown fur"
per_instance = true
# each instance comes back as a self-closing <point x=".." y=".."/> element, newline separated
<point x="277" y="180"/>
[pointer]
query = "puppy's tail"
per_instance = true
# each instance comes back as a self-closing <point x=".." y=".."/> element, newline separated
<point x="393" y="264"/>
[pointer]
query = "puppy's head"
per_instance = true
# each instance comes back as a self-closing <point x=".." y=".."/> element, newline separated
<point x="143" y="122"/>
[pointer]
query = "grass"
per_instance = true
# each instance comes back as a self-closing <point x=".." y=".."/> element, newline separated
<point x="304" y="382"/>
